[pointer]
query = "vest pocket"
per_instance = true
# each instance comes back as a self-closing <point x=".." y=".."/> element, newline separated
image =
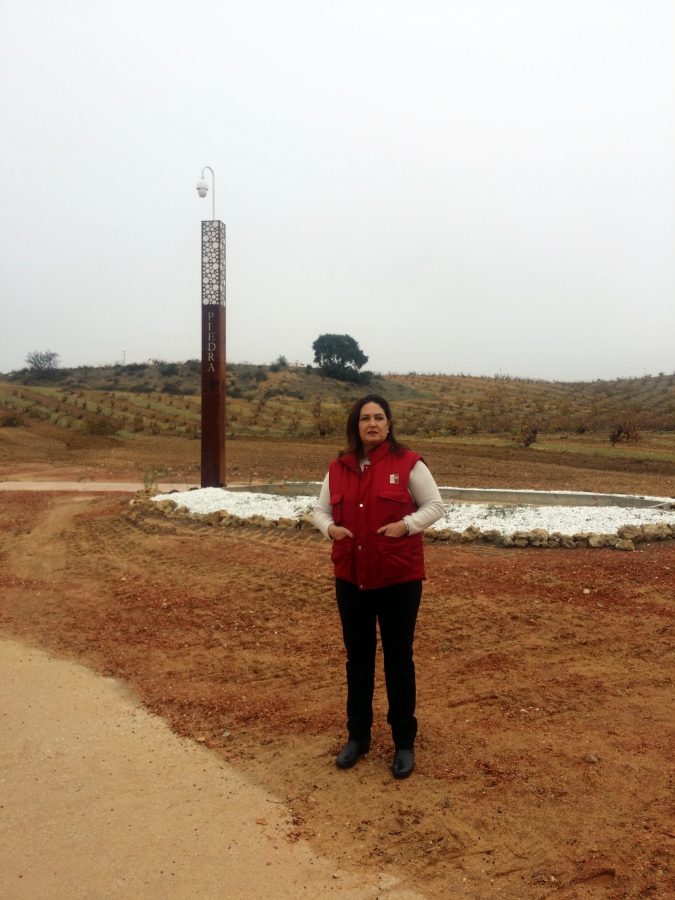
<point x="395" y="562"/>
<point x="341" y="555"/>
<point x="336" y="508"/>
<point x="394" y="505"/>
<point x="398" y="496"/>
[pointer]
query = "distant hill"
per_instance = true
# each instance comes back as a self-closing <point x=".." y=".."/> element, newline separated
<point x="275" y="400"/>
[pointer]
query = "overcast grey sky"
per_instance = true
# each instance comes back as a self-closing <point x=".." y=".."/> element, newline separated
<point x="476" y="186"/>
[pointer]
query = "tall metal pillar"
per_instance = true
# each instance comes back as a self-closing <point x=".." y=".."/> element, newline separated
<point x="213" y="354"/>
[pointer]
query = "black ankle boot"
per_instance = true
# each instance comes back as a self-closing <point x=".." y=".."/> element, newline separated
<point x="350" y="753"/>
<point x="404" y="762"/>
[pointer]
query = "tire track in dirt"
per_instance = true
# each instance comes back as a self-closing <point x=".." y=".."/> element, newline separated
<point x="42" y="550"/>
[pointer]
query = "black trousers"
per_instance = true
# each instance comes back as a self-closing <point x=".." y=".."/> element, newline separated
<point x="395" y="608"/>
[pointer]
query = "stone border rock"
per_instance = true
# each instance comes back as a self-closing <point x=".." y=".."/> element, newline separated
<point x="628" y="537"/>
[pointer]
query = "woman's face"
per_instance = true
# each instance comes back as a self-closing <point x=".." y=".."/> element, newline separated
<point x="373" y="425"/>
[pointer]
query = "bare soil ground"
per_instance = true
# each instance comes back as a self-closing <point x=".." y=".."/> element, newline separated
<point x="545" y="677"/>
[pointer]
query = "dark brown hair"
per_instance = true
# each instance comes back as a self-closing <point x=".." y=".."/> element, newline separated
<point x="354" y="443"/>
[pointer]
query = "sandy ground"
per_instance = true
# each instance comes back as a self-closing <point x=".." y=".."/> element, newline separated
<point x="100" y="799"/>
<point x="88" y="487"/>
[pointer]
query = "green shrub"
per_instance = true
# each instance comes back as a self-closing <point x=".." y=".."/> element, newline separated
<point x="102" y="425"/>
<point x="167" y="369"/>
<point x="172" y="387"/>
<point x="528" y="434"/>
<point x="12" y="422"/>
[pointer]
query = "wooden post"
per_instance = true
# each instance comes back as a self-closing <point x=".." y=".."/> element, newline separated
<point x="213" y="354"/>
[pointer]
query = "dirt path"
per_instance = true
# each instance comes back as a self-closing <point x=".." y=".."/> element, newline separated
<point x="101" y="799"/>
<point x="545" y="683"/>
<point x="89" y="487"/>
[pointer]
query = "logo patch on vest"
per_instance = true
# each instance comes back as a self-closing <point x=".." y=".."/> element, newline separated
<point x="393" y="479"/>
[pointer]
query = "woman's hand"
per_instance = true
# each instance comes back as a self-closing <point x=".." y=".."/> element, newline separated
<point x="394" y="529"/>
<point x="339" y="532"/>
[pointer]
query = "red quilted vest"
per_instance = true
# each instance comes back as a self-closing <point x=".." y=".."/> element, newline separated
<point x="363" y="502"/>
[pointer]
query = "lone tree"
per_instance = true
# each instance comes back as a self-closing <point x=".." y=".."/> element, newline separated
<point x="43" y="363"/>
<point x="339" y="355"/>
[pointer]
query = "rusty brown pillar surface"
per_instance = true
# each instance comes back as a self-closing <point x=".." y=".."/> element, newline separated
<point x="213" y="354"/>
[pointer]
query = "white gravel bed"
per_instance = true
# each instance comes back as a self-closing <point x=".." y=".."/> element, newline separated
<point x="565" y="519"/>
<point x="458" y="516"/>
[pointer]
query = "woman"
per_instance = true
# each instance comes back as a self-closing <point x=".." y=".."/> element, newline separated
<point x="375" y="502"/>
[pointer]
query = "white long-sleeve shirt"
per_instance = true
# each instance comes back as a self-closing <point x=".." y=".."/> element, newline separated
<point x="422" y="488"/>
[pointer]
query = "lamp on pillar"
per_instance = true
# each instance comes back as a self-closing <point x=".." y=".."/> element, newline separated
<point x="213" y="342"/>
